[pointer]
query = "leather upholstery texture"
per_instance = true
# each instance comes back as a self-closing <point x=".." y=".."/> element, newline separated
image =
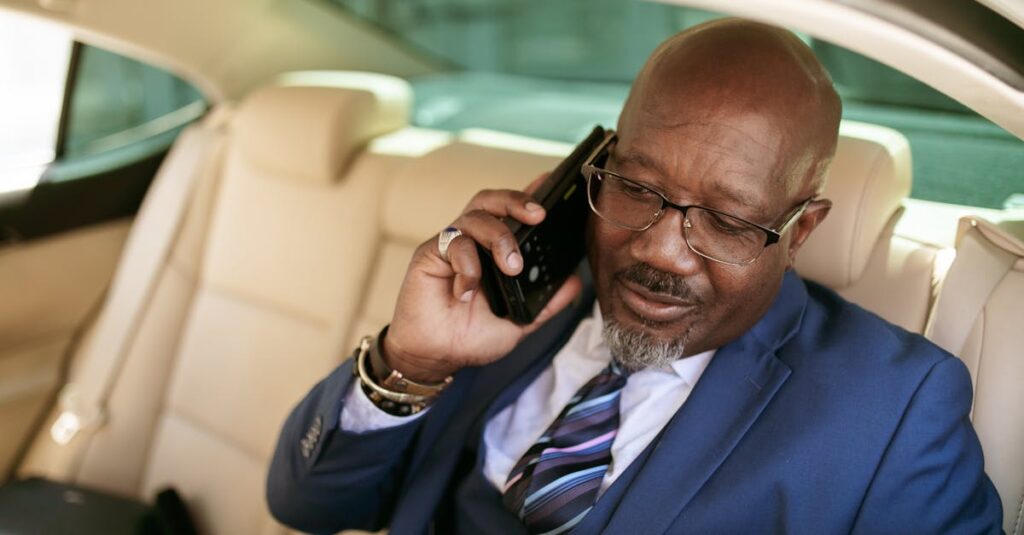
<point x="982" y="298"/>
<point x="855" y="250"/>
<point x="49" y="288"/>
<point x="310" y="133"/>
<point x="868" y="178"/>
<point x="297" y="245"/>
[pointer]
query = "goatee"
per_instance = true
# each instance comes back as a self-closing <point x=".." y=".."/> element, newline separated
<point x="635" y="350"/>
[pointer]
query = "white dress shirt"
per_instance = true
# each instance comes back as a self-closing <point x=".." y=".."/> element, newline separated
<point x="648" y="401"/>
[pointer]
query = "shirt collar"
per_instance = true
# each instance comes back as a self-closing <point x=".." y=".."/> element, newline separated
<point x="688" y="369"/>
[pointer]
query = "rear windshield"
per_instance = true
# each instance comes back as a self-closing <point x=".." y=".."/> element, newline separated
<point x="552" y="69"/>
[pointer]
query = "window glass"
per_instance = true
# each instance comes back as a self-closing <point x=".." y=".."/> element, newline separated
<point x="118" y="101"/>
<point x="31" y="92"/>
<point x="552" y="69"/>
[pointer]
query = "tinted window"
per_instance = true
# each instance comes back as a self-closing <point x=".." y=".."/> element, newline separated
<point x="118" y="101"/>
<point x="551" y="69"/>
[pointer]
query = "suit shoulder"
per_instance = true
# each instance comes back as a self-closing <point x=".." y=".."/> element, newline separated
<point x="848" y="334"/>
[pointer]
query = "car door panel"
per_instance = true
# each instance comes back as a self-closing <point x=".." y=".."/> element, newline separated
<point x="49" y="288"/>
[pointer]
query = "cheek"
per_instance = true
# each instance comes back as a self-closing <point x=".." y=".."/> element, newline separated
<point x="743" y="294"/>
<point x="605" y="242"/>
<point x="606" y="247"/>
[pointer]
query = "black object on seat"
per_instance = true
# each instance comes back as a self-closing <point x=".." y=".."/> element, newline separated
<point x="38" y="506"/>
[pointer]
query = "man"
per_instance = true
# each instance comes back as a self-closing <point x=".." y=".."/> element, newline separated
<point x="710" y="391"/>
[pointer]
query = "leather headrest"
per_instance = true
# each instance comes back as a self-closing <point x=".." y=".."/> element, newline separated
<point x="433" y="189"/>
<point x="867" y="182"/>
<point x="308" y="125"/>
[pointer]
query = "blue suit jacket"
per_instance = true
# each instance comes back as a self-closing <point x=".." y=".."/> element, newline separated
<point x="822" y="418"/>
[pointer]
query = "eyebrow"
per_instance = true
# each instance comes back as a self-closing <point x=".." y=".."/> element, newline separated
<point x="738" y="196"/>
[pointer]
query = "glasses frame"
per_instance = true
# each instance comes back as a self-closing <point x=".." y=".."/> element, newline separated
<point x="772" y="235"/>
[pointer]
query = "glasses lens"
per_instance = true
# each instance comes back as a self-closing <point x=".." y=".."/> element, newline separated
<point x="723" y="238"/>
<point x="622" y="202"/>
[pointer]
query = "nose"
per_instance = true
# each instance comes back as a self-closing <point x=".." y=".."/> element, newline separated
<point x="663" y="246"/>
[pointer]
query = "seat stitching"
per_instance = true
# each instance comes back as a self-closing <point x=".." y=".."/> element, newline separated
<point x="980" y="320"/>
<point x="1020" y="515"/>
<point x="185" y="417"/>
<point x="265" y="304"/>
<point x="862" y="208"/>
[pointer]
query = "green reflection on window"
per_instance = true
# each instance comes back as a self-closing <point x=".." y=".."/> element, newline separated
<point x="118" y="101"/>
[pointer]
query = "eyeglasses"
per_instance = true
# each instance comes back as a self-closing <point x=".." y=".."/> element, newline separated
<point x="711" y="233"/>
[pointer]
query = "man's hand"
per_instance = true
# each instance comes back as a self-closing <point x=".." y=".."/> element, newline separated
<point x="442" y="322"/>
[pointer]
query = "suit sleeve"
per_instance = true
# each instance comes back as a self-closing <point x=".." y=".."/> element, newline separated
<point x="325" y="479"/>
<point x="932" y="476"/>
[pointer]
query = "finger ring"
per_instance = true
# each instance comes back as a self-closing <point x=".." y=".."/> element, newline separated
<point x="444" y="239"/>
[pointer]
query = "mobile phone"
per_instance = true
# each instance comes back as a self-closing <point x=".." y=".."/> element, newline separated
<point x="552" y="249"/>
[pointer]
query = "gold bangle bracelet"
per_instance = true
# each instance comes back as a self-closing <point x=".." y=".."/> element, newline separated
<point x="364" y="377"/>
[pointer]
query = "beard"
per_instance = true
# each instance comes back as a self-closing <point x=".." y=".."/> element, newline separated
<point x="635" y="349"/>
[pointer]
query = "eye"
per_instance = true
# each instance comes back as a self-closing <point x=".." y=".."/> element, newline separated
<point x="727" y="224"/>
<point x="635" y="191"/>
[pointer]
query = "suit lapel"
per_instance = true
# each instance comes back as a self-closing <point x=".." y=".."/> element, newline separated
<point x="737" y="385"/>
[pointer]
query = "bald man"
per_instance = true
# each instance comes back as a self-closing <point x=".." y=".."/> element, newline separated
<point x="708" y="390"/>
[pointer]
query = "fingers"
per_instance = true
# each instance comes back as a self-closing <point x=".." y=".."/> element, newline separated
<point x="494" y="236"/>
<point x="465" y="263"/>
<point x="569" y="290"/>
<point x="507" y="203"/>
<point x="480" y="223"/>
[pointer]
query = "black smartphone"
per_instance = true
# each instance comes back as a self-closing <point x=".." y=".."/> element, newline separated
<point x="551" y="250"/>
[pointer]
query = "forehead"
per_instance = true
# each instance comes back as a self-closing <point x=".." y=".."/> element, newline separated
<point x="735" y="160"/>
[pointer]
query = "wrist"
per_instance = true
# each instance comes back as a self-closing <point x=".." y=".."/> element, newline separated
<point x="394" y="394"/>
<point x="414" y="368"/>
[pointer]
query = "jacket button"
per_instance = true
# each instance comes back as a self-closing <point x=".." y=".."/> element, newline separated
<point x="308" y="442"/>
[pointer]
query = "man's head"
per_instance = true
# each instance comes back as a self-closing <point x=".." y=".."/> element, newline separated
<point x="730" y="115"/>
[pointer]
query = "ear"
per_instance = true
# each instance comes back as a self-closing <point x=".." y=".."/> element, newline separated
<point x="813" y="215"/>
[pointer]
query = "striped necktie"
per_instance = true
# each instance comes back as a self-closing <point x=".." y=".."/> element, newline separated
<point x="556" y="482"/>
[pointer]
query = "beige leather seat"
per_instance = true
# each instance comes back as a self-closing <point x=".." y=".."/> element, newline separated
<point x="979" y="316"/>
<point x="855" y="250"/>
<point x="428" y="192"/>
<point x="250" y="309"/>
<point x="295" y="245"/>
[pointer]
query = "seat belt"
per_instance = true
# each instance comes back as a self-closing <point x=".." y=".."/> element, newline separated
<point x="985" y="254"/>
<point x="195" y="156"/>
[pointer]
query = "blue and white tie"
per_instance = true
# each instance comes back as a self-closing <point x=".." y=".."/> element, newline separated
<point x="556" y="482"/>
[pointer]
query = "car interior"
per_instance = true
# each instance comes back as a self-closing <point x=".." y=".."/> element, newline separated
<point x="160" y="337"/>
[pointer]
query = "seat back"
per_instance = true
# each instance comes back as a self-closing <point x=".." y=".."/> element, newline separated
<point x="432" y="189"/>
<point x="979" y="316"/>
<point x="251" y="307"/>
<point x="855" y="250"/>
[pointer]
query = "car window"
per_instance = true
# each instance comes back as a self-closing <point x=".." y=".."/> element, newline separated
<point x="551" y="70"/>
<point x="31" y="93"/>
<point x="117" y="101"/>
<point x="71" y="110"/>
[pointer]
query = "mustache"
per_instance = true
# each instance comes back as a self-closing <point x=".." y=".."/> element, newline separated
<point x="658" y="281"/>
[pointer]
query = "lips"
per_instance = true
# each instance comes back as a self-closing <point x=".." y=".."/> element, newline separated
<point x="651" y="306"/>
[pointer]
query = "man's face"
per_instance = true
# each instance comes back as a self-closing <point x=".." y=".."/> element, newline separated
<point x="651" y="283"/>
